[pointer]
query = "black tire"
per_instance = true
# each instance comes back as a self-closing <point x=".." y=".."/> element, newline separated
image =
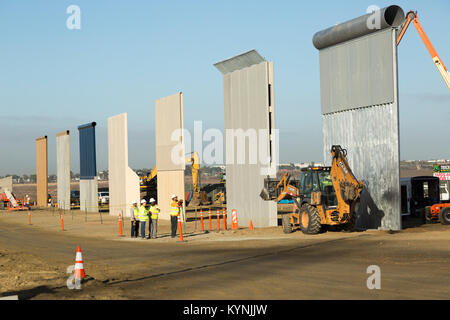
<point x="444" y="216"/>
<point x="286" y="223"/>
<point x="350" y="226"/>
<point x="309" y="219"/>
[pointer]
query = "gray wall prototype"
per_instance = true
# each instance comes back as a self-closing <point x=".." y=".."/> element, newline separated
<point x="63" y="169"/>
<point x="359" y="95"/>
<point x="249" y="104"/>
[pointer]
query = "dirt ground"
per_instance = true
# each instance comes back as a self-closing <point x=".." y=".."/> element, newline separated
<point x="244" y="264"/>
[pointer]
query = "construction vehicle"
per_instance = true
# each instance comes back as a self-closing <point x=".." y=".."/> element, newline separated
<point x="12" y="203"/>
<point x="411" y="16"/>
<point x="148" y="184"/>
<point x="438" y="212"/>
<point x="417" y="193"/>
<point x="199" y="197"/>
<point x="324" y="196"/>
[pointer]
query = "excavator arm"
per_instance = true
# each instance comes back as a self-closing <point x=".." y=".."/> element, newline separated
<point x="411" y="16"/>
<point x="277" y="190"/>
<point x="195" y="162"/>
<point x="347" y="187"/>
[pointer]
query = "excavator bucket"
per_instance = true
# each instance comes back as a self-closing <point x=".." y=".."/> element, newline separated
<point x="264" y="194"/>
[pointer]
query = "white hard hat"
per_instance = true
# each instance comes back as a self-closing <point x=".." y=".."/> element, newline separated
<point x="143" y="201"/>
<point x="134" y="202"/>
<point x="173" y="196"/>
<point x="152" y="200"/>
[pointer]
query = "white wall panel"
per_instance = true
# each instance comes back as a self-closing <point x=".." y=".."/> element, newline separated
<point x="89" y="195"/>
<point x="123" y="181"/>
<point x="63" y="169"/>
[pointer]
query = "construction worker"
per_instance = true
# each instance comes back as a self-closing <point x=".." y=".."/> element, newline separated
<point x="143" y="217"/>
<point x="153" y="224"/>
<point x="134" y="214"/>
<point x="174" y="212"/>
<point x="27" y="202"/>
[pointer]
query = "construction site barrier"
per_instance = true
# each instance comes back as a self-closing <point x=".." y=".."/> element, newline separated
<point x="210" y="222"/>
<point x="120" y="224"/>
<point x="201" y="220"/>
<point x="224" y="217"/>
<point x="62" y="222"/>
<point x="218" y="220"/>
<point x="234" y="222"/>
<point x="62" y="211"/>
<point x="180" y="228"/>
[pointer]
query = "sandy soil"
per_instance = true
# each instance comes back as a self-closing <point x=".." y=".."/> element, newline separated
<point x="243" y="264"/>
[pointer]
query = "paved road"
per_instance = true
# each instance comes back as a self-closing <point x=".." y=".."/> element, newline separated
<point x="329" y="266"/>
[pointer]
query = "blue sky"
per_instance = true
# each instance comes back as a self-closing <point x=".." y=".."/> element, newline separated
<point x="130" y="53"/>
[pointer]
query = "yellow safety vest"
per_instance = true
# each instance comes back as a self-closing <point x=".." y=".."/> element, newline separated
<point x="143" y="214"/>
<point x="174" y="209"/>
<point x="136" y="213"/>
<point x="154" y="211"/>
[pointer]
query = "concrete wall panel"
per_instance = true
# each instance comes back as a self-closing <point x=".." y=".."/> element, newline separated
<point x="63" y="169"/>
<point x="169" y="118"/>
<point x="246" y="107"/>
<point x="123" y="181"/>
<point x="169" y="182"/>
<point x="89" y="195"/>
<point x="41" y="172"/>
<point x="370" y="134"/>
<point x="6" y="184"/>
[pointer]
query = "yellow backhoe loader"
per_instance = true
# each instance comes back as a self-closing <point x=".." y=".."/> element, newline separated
<point x="324" y="196"/>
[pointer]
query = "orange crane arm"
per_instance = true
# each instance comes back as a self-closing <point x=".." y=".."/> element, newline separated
<point x="412" y="17"/>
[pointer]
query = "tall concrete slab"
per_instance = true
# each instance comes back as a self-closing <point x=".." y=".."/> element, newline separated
<point x="359" y="97"/>
<point x="169" y="121"/>
<point x="63" y="169"/>
<point x="123" y="181"/>
<point x="6" y="184"/>
<point x="41" y="172"/>
<point x="88" y="168"/>
<point x="170" y="150"/>
<point x="169" y="182"/>
<point x="249" y="109"/>
<point x="89" y="195"/>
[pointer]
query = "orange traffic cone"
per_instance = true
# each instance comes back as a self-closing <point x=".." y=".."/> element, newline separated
<point x="79" y="268"/>
<point x="251" y="225"/>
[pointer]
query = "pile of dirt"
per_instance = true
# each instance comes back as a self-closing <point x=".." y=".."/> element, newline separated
<point x="20" y="271"/>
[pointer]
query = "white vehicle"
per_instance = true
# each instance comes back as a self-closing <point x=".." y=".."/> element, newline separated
<point x="103" y="197"/>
